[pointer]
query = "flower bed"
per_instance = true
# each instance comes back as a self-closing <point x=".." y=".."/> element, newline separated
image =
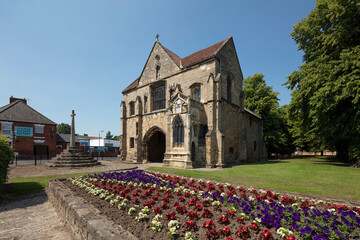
<point x="177" y="207"/>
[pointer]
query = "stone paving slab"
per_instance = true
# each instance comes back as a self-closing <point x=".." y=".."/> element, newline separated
<point x="31" y="218"/>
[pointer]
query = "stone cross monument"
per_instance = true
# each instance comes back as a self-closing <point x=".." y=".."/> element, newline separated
<point x="72" y="133"/>
<point x="72" y="156"/>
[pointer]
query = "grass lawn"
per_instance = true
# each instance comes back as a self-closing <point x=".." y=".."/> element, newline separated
<point x="319" y="176"/>
<point x="18" y="187"/>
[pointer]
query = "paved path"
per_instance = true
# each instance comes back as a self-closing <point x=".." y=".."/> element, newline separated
<point x="31" y="218"/>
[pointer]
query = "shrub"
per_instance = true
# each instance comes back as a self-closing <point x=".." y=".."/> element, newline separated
<point x="6" y="154"/>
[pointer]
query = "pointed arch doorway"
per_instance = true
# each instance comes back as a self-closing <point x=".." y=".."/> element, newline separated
<point x="155" y="145"/>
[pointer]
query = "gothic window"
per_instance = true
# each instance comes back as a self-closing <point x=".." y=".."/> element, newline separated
<point x="145" y="104"/>
<point x="178" y="131"/>
<point x="158" y="97"/>
<point x="202" y="134"/>
<point x="132" y="142"/>
<point x="137" y="128"/>
<point x="228" y="89"/>
<point x="196" y="92"/>
<point x="132" y="108"/>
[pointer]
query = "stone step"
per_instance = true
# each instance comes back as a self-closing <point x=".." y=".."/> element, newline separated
<point x="72" y="161"/>
<point x="50" y="164"/>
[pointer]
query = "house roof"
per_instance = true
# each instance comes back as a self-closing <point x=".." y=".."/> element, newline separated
<point x="188" y="61"/>
<point x="61" y="137"/>
<point x="252" y="113"/>
<point x="18" y="111"/>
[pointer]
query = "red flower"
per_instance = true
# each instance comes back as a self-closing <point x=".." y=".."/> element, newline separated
<point x="290" y="238"/>
<point x="181" y="199"/>
<point x="254" y="227"/>
<point x="225" y="231"/>
<point x="209" y="224"/>
<point x="198" y="206"/>
<point x="230" y="213"/>
<point x="176" y="204"/>
<point x="207" y="213"/>
<point x="180" y="209"/>
<point x="265" y="235"/>
<point x="136" y="201"/>
<point x="243" y="232"/>
<point x="190" y="224"/>
<point x="193" y="215"/>
<point x="157" y="210"/>
<point x="240" y="220"/>
<point x="223" y="219"/>
<point x="206" y="203"/>
<point x="212" y="234"/>
<point x="171" y="215"/>
<point x="164" y="205"/>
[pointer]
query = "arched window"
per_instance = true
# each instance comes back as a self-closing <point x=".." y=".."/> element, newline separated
<point x="178" y="131"/>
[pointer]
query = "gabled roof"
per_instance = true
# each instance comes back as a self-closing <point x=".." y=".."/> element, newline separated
<point x="188" y="61"/>
<point x="18" y="111"/>
<point x="62" y="137"/>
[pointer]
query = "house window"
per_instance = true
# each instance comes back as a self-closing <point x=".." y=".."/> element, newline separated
<point x="6" y="128"/>
<point x="132" y="108"/>
<point x="158" y="97"/>
<point x="228" y="88"/>
<point x="202" y="134"/>
<point x="231" y="150"/>
<point x="39" y="128"/>
<point x="137" y="128"/>
<point x="178" y="131"/>
<point x="254" y="145"/>
<point x="132" y="142"/>
<point x="145" y="104"/>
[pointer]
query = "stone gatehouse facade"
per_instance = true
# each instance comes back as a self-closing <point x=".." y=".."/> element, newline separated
<point x="189" y="112"/>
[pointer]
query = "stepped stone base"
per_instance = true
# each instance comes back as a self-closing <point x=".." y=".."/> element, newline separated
<point x="72" y="157"/>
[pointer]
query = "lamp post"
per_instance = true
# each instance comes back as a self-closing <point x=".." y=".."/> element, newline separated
<point x="99" y="145"/>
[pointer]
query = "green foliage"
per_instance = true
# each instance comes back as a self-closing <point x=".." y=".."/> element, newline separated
<point x="6" y="155"/>
<point x="116" y="138"/>
<point x="262" y="100"/>
<point x="326" y="90"/>
<point x="63" y="128"/>
<point x="108" y="135"/>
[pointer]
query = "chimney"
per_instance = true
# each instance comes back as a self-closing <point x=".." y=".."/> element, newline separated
<point x="12" y="99"/>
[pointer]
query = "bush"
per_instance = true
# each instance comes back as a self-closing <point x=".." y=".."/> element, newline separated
<point x="6" y="155"/>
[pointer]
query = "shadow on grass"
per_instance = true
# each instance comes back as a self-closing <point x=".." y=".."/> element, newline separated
<point x="333" y="162"/>
<point x="264" y="162"/>
<point x="15" y="193"/>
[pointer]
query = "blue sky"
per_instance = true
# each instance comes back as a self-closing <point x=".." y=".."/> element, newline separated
<point x="80" y="55"/>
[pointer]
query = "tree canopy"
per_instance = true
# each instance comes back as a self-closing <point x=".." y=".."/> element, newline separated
<point x="108" y="135"/>
<point x="262" y="100"/>
<point x="325" y="109"/>
<point x="63" y="128"/>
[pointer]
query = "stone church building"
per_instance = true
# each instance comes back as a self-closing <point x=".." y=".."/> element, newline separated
<point x="189" y="112"/>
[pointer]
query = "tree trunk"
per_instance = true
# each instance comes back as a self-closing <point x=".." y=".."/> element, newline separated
<point x="357" y="164"/>
<point x="342" y="151"/>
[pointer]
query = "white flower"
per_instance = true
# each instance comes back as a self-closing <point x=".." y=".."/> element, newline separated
<point x="216" y="203"/>
<point x="189" y="236"/>
<point x="283" y="232"/>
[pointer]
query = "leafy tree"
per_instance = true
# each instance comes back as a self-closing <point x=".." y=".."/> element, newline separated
<point x="325" y="102"/>
<point x="6" y="155"/>
<point x="63" y="128"/>
<point x="108" y="135"/>
<point x="85" y="134"/>
<point x="116" y="138"/>
<point x="262" y="100"/>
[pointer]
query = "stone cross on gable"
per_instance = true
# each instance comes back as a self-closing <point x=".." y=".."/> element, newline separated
<point x="72" y="133"/>
<point x="157" y="37"/>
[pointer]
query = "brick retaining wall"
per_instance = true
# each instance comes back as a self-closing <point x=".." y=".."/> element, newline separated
<point x="82" y="219"/>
